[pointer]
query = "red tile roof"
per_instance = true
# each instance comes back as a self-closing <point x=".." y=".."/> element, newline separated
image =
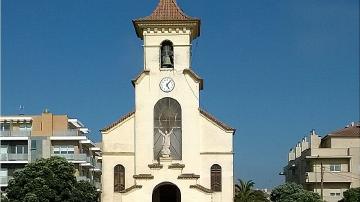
<point x="349" y="131"/>
<point x="167" y="10"/>
<point x="121" y="119"/>
<point x="212" y="118"/>
<point x="168" y="14"/>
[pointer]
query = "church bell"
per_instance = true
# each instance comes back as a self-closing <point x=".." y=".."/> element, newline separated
<point x="167" y="56"/>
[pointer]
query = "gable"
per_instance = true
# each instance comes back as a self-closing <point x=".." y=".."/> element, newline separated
<point x="118" y="122"/>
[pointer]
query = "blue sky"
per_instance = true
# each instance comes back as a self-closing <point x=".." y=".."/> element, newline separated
<point x="272" y="69"/>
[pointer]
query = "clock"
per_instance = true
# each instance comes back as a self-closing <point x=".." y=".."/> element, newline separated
<point x="167" y="84"/>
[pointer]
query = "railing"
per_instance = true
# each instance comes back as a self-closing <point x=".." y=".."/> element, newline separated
<point x="97" y="185"/>
<point x="83" y="178"/>
<point x="15" y="133"/>
<point x="14" y="157"/>
<point x="329" y="152"/>
<point x="71" y="132"/>
<point x="5" y="179"/>
<point x="98" y="166"/>
<point x="329" y="176"/>
<point x="73" y="157"/>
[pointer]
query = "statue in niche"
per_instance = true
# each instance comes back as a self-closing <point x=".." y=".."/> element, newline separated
<point x="166" y="138"/>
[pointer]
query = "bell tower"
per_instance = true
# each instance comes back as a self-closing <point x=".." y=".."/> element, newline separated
<point x="167" y="34"/>
<point x="167" y="90"/>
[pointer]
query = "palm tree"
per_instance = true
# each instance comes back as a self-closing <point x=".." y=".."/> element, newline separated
<point x="244" y="192"/>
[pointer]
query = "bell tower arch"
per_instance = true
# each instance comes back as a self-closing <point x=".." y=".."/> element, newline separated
<point x="167" y="23"/>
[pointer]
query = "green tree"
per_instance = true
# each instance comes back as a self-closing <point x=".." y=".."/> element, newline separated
<point x="291" y="192"/>
<point x="244" y="192"/>
<point x="49" y="180"/>
<point x="352" y="195"/>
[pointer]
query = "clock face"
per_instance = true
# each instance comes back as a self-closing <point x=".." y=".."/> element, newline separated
<point x="167" y="84"/>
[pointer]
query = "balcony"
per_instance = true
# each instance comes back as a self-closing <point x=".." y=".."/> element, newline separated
<point x="97" y="167"/>
<point x="68" y="135"/>
<point x="97" y="185"/>
<point x="329" y="153"/>
<point x="82" y="178"/>
<point x="4" y="180"/>
<point x="15" y="134"/>
<point x="14" y="158"/>
<point x="315" y="177"/>
<point x="74" y="158"/>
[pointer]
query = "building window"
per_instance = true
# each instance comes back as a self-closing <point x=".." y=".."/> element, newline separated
<point x="64" y="149"/>
<point x="167" y="54"/>
<point x="119" y="178"/>
<point x="335" y="194"/>
<point x="18" y="149"/>
<point x="335" y="167"/>
<point x="216" y="177"/>
<point x="33" y="144"/>
<point x="5" y="126"/>
<point x="25" y="126"/>
<point x="167" y="129"/>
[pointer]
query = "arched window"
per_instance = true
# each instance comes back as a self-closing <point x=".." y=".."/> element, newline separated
<point x="119" y="178"/>
<point x="167" y="129"/>
<point x="216" y="177"/>
<point x="167" y="54"/>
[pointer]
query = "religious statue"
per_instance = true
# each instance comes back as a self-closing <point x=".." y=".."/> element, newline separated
<point x="165" y="151"/>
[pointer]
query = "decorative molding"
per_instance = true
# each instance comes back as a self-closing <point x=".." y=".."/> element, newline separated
<point x="155" y="166"/>
<point x="188" y="176"/>
<point x="144" y="176"/>
<point x="118" y="153"/>
<point x="140" y="76"/>
<point x="194" y="76"/>
<point x="131" y="188"/>
<point x="201" y="188"/>
<point x="176" y="165"/>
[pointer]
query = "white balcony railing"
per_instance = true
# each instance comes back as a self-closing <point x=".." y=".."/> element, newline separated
<point x="331" y="152"/>
<point x="15" y="133"/>
<point x="5" y="179"/>
<point x="329" y="177"/>
<point x="83" y="178"/>
<point x="14" y="157"/>
<point x="70" y="132"/>
<point x="73" y="157"/>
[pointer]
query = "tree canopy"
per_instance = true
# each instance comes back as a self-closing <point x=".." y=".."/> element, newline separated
<point x="49" y="180"/>
<point x="291" y="192"/>
<point x="245" y="193"/>
<point x="352" y="195"/>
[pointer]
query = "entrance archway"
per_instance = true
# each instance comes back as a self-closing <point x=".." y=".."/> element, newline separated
<point x="166" y="192"/>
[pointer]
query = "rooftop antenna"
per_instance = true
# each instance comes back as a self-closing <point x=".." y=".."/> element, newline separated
<point x="21" y="110"/>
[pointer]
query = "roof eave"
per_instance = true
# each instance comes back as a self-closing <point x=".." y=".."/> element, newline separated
<point x="141" y="24"/>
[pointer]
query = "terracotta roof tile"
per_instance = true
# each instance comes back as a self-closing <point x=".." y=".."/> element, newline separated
<point x="212" y="118"/>
<point x="121" y="119"/>
<point x="350" y="131"/>
<point x="167" y="10"/>
<point x="168" y="14"/>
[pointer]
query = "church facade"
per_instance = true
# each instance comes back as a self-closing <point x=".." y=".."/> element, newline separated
<point x="168" y="149"/>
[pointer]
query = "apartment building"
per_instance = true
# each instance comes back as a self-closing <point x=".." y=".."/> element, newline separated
<point x="26" y="138"/>
<point x="327" y="165"/>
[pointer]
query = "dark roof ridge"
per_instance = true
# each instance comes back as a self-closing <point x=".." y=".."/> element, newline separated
<point x="121" y="119"/>
<point x="212" y="118"/>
